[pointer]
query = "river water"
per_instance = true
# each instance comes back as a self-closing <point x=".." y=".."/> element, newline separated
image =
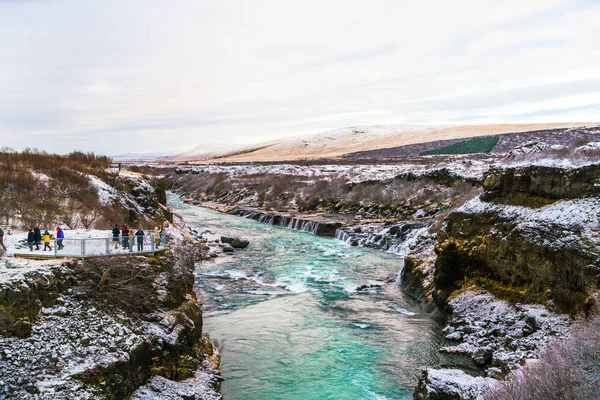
<point x="291" y="324"/>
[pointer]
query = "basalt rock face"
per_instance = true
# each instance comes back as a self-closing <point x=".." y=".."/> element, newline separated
<point x="22" y="298"/>
<point x="315" y="226"/>
<point x="528" y="254"/>
<point x="542" y="181"/>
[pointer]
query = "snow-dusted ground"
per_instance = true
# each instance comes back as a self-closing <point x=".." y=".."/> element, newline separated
<point x="570" y="219"/>
<point x="354" y="173"/>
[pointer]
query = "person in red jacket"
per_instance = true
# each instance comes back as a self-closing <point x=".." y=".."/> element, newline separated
<point x="60" y="235"/>
<point x="125" y="236"/>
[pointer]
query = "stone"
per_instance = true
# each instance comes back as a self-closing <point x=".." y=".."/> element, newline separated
<point x="240" y="243"/>
<point x="451" y="384"/>
<point x="456" y="336"/>
<point x="227" y="248"/>
<point x="235" y="242"/>
<point x="482" y="357"/>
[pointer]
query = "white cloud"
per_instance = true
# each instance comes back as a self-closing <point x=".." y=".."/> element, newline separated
<point x="150" y="76"/>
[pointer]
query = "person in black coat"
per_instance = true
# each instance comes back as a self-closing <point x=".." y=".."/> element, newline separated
<point x="30" y="239"/>
<point x="115" y="232"/>
<point x="139" y="235"/>
<point x="37" y="237"/>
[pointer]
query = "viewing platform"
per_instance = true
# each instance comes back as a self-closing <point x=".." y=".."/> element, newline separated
<point x="91" y="247"/>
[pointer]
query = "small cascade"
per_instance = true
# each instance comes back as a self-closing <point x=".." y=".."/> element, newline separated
<point x="398" y="238"/>
<point x="342" y="235"/>
<point x="401" y="271"/>
<point x="305" y="225"/>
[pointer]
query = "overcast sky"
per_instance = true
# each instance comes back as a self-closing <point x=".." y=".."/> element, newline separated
<point x="137" y="76"/>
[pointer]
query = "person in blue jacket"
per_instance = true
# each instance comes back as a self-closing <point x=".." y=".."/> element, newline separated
<point x="30" y="239"/>
<point x="139" y="235"/>
<point x="60" y="235"/>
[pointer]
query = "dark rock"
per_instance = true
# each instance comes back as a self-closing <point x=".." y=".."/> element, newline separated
<point x="239" y="243"/>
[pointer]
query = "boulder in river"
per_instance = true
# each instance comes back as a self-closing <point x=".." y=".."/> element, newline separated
<point x="227" y="248"/>
<point x="235" y="242"/>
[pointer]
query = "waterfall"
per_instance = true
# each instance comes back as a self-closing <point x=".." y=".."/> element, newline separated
<point x="342" y="235"/>
<point x="401" y="271"/>
<point x="305" y="225"/>
<point x="398" y="238"/>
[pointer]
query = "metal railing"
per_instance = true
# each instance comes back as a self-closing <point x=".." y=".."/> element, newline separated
<point x="92" y="247"/>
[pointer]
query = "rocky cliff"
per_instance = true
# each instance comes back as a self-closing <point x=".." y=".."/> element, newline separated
<point x="526" y="252"/>
<point x="107" y="329"/>
<point x="531" y="237"/>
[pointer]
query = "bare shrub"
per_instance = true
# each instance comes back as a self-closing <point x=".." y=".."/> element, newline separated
<point x="122" y="281"/>
<point x="568" y="369"/>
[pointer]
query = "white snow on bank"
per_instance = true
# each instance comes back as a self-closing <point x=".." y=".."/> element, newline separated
<point x="565" y="216"/>
<point x="583" y="212"/>
<point x="108" y="195"/>
<point x="354" y="173"/>
<point x="14" y="269"/>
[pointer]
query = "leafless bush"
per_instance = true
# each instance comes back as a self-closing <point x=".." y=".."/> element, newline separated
<point x="121" y="281"/>
<point x="568" y="369"/>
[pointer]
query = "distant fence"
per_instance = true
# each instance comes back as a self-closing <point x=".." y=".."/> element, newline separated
<point x="94" y="247"/>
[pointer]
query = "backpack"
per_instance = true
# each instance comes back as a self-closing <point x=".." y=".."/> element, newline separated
<point x="1" y="232"/>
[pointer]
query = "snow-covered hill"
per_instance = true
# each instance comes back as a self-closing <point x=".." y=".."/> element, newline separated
<point x="337" y="142"/>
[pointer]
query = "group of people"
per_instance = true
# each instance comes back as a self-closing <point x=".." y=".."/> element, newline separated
<point x="35" y="238"/>
<point x="128" y="237"/>
<point x="124" y="236"/>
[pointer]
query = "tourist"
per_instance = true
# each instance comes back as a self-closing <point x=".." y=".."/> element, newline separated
<point x="2" y="239"/>
<point x="46" y="238"/>
<point x="130" y="238"/>
<point x="30" y="239"/>
<point x="37" y="237"/>
<point x="140" y="239"/>
<point x="60" y="236"/>
<point x="115" y="233"/>
<point x="125" y="236"/>
<point x="157" y="237"/>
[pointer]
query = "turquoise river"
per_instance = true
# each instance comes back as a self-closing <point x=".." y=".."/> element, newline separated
<point x="291" y="324"/>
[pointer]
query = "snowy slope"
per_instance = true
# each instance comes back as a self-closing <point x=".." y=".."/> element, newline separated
<point x="337" y="142"/>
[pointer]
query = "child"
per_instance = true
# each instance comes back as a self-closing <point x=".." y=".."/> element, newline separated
<point x="130" y="238"/>
<point x="46" y="238"/>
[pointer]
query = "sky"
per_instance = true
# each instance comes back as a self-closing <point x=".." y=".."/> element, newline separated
<point x="150" y="76"/>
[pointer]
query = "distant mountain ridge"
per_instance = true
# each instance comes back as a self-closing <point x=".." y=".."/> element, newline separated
<point x="343" y="141"/>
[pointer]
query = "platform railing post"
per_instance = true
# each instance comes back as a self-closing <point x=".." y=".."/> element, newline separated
<point x="55" y="250"/>
<point x="152" y="243"/>
<point x="107" y="246"/>
<point x="83" y="249"/>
